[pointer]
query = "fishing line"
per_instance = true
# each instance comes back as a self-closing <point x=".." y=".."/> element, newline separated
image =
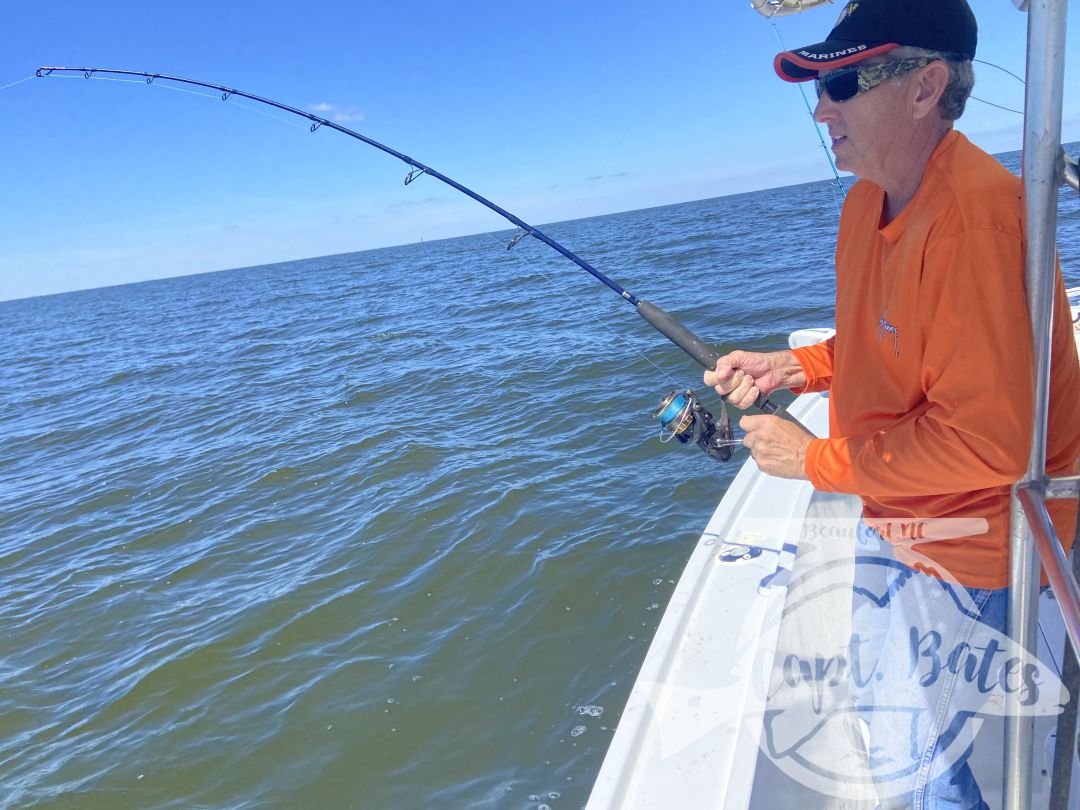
<point x="239" y="104"/>
<point x="20" y="81"/>
<point x="535" y="265"/>
<point x="1003" y="70"/>
<point x="817" y="129"/>
<point x="992" y="104"/>
<point x="999" y="67"/>
<point x="681" y="413"/>
<point x="610" y="150"/>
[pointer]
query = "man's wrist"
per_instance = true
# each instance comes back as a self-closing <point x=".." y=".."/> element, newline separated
<point x="789" y="370"/>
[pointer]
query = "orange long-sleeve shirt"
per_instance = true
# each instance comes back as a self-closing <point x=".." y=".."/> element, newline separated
<point x="931" y="369"/>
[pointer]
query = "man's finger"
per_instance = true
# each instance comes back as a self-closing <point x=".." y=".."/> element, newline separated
<point x="751" y="423"/>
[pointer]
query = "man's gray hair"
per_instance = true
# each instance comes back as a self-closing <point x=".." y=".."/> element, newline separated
<point x="961" y="78"/>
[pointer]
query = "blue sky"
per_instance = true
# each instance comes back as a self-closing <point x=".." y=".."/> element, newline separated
<point x="554" y="110"/>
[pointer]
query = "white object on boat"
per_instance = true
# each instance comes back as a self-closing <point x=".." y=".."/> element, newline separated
<point x="801" y="338"/>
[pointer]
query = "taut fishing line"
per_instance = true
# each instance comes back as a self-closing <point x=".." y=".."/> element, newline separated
<point x="817" y="130"/>
<point x="184" y="90"/>
<point x="999" y="67"/>
<point x="680" y="412"/>
<point x="20" y="81"/>
<point x="684" y="401"/>
<point x="534" y="265"/>
<point x="1003" y="70"/>
<point x="992" y="104"/>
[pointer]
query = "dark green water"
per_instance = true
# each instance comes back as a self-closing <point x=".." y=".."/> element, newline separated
<point x="382" y="530"/>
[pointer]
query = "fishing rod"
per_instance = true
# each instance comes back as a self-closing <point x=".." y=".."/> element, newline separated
<point x="680" y="412"/>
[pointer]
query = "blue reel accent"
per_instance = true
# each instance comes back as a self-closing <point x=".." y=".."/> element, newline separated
<point x="673" y="409"/>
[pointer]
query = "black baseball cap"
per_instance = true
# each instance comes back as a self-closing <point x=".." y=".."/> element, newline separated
<point x="870" y="27"/>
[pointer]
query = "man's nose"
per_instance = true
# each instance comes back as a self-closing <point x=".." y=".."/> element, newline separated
<point x="825" y="109"/>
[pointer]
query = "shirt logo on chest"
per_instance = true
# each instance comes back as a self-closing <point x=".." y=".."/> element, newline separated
<point x="886" y="328"/>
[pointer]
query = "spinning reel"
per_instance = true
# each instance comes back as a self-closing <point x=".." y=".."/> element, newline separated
<point x="685" y="417"/>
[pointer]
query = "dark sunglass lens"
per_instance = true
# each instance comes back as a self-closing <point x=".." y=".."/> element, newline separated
<point x="842" y="85"/>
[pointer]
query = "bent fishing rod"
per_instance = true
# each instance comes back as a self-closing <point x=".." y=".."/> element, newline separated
<point x="680" y="412"/>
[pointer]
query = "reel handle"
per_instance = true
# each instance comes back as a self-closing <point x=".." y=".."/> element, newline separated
<point x="673" y="329"/>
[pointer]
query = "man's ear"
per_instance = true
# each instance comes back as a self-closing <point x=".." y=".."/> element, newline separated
<point x="929" y="85"/>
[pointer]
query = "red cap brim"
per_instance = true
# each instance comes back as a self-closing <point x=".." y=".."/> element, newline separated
<point x="805" y="63"/>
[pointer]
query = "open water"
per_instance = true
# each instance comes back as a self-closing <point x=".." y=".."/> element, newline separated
<point x="390" y="529"/>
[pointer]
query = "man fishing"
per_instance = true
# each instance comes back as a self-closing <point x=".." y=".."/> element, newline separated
<point x="931" y="370"/>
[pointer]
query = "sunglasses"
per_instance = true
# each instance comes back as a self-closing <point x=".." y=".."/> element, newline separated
<point x="846" y="83"/>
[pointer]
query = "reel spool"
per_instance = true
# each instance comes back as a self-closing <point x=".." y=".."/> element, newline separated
<point x="683" y="416"/>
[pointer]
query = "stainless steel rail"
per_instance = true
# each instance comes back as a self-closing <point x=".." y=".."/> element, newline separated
<point x="1072" y="173"/>
<point x="1053" y="559"/>
<point x="1064" y="755"/>
<point x="1065" y="486"/>
<point x="1043" y="174"/>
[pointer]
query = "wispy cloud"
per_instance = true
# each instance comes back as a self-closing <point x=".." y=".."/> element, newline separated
<point x="614" y="176"/>
<point x="335" y="113"/>
<point x="422" y="202"/>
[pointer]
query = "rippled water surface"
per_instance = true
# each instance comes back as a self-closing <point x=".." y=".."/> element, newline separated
<point x="382" y="530"/>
